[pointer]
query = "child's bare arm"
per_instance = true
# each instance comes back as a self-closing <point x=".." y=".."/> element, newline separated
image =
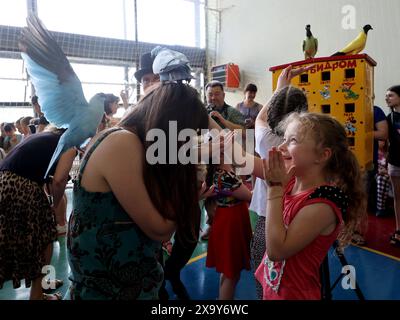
<point x="309" y="223"/>
<point x="242" y="193"/>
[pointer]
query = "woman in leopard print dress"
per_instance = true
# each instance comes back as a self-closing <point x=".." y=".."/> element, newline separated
<point x="27" y="222"/>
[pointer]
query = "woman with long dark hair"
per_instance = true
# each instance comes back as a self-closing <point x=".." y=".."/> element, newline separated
<point x="124" y="206"/>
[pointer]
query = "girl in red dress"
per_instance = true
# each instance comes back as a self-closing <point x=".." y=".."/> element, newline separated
<point x="229" y="240"/>
<point x="315" y="196"/>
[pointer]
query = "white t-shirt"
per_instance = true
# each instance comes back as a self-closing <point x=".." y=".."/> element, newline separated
<point x="265" y="140"/>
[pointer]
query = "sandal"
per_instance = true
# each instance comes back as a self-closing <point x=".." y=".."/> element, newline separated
<point x="393" y="236"/>
<point x="358" y="239"/>
<point x="167" y="247"/>
<point x="55" y="296"/>
<point x="56" y="283"/>
<point x="394" y="241"/>
<point x="205" y="234"/>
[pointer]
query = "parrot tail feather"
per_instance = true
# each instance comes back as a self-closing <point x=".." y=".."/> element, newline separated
<point x="56" y="155"/>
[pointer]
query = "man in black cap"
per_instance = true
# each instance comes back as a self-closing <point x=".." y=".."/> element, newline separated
<point x="145" y="74"/>
<point x="181" y="250"/>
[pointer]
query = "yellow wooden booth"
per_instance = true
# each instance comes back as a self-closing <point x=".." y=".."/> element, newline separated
<point x="343" y="87"/>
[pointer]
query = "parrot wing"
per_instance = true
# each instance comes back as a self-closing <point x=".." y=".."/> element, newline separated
<point x="58" y="88"/>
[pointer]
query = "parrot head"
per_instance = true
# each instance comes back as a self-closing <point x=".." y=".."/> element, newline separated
<point x="367" y="27"/>
<point x="97" y="113"/>
<point x="97" y="103"/>
<point x="308" y="31"/>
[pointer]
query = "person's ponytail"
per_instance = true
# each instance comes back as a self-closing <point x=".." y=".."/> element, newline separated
<point x="351" y="182"/>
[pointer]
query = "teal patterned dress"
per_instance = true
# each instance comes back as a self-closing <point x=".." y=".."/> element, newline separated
<point x="109" y="255"/>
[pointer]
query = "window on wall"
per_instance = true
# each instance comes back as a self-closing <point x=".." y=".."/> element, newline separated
<point x="179" y="22"/>
<point x="13" y="82"/>
<point x="102" y="18"/>
<point x="14" y="90"/>
<point x="173" y="22"/>
<point x="95" y="79"/>
<point x="106" y="79"/>
<point x="202" y="26"/>
<point x="159" y="21"/>
<point x="13" y="13"/>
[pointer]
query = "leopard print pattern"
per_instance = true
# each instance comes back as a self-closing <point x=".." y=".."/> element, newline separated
<point x="27" y="227"/>
<point x="257" y="250"/>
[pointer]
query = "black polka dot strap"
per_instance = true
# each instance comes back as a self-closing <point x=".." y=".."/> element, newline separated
<point x="334" y="194"/>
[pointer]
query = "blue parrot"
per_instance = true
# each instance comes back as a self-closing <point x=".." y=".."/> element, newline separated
<point x="59" y="89"/>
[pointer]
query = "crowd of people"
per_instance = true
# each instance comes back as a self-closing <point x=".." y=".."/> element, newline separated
<point x="308" y="192"/>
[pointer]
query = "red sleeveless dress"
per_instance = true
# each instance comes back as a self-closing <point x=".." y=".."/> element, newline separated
<point x="229" y="241"/>
<point x="298" y="277"/>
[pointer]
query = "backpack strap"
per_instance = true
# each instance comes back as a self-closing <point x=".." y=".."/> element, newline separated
<point x="333" y="194"/>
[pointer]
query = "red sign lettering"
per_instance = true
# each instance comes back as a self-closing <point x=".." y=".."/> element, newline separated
<point x="352" y="64"/>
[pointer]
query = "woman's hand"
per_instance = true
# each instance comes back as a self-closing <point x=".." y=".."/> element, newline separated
<point x="204" y="193"/>
<point x="288" y="74"/>
<point x="217" y="146"/>
<point x="275" y="172"/>
<point x="48" y="190"/>
<point x="217" y="115"/>
<point x="124" y="94"/>
<point x="249" y="123"/>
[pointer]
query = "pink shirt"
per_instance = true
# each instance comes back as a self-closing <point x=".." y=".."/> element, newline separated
<point x="298" y="278"/>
